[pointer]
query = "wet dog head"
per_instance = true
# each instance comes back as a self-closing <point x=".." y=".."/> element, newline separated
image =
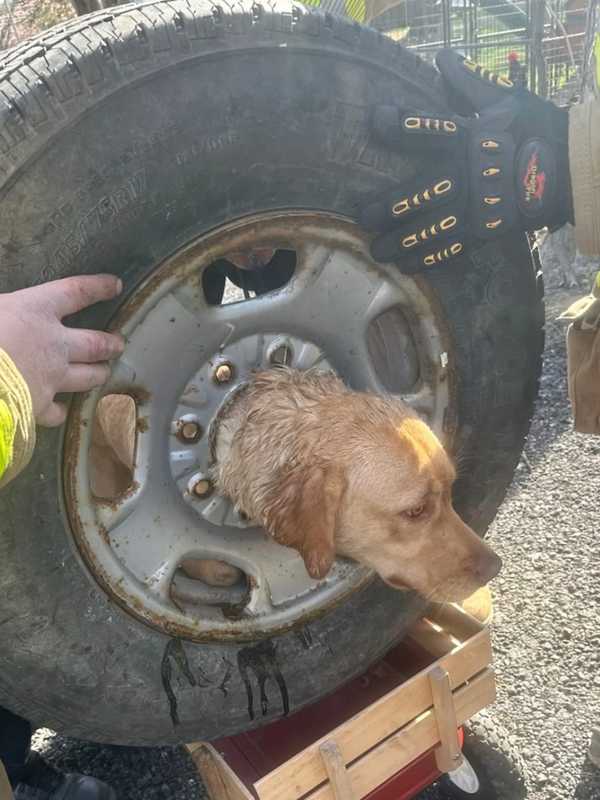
<point x="398" y="518"/>
<point x="376" y="487"/>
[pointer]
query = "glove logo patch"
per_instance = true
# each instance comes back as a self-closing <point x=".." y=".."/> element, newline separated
<point x="534" y="180"/>
<point x="536" y="171"/>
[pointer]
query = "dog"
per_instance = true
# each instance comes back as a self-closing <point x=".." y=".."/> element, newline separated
<point x="333" y="472"/>
<point x="330" y="471"/>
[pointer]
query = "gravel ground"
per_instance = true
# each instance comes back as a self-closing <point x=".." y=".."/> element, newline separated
<point x="546" y="632"/>
<point x="547" y="599"/>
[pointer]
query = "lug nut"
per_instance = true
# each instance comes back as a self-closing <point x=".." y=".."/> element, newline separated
<point x="202" y="488"/>
<point x="223" y="373"/>
<point x="190" y="431"/>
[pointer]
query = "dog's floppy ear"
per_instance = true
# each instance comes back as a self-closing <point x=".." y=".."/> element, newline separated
<point x="305" y="517"/>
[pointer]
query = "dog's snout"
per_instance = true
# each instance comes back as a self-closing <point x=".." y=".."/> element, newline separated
<point x="487" y="566"/>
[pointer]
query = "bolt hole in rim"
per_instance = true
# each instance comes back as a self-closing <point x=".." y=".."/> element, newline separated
<point x="185" y="357"/>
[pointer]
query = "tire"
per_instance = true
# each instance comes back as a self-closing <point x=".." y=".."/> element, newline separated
<point x="123" y="136"/>
<point x="499" y="768"/>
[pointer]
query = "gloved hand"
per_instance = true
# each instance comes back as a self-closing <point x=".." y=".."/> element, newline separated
<point x="501" y="163"/>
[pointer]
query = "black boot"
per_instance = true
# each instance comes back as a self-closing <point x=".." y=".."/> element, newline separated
<point x="40" y="781"/>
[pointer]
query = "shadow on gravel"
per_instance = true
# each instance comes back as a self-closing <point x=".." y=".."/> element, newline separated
<point x="135" y="773"/>
<point x="588" y="787"/>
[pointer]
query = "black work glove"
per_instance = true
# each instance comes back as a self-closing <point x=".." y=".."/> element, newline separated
<point x="499" y="165"/>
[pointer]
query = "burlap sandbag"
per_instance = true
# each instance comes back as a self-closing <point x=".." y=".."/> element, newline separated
<point x="5" y="790"/>
<point x="583" y="347"/>
<point x="583" y="352"/>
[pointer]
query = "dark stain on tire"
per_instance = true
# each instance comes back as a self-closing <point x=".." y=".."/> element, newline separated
<point x="226" y="677"/>
<point x="305" y="638"/>
<point x="174" y="651"/>
<point x="261" y="660"/>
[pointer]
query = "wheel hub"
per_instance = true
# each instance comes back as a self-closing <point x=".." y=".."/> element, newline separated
<point x="208" y="391"/>
<point x="185" y="354"/>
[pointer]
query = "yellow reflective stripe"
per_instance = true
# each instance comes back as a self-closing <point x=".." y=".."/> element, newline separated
<point x="7" y="437"/>
<point x="597" y="60"/>
<point x="356" y="9"/>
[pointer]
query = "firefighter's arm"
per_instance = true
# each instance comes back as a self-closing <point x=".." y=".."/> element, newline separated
<point x="17" y="424"/>
<point x="583" y="335"/>
<point x="584" y="163"/>
<point x="40" y="357"/>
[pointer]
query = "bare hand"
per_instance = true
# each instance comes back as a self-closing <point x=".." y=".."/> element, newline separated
<point x="51" y="357"/>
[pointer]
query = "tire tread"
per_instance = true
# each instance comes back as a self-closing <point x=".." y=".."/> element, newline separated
<point x="47" y="81"/>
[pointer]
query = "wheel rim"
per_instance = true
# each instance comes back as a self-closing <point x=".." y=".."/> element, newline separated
<point x="465" y="778"/>
<point x="376" y="328"/>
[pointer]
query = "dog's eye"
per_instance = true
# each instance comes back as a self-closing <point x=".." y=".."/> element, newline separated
<point x="415" y="511"/>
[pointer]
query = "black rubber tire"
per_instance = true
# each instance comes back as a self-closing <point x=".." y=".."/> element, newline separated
<point x="123" y="136"/>
<point x="499" y="767"/>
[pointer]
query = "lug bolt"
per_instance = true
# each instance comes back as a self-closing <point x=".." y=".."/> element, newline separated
<point x="202" y="488"/>
<point x="190" y="431"/>
<point x="223" y="373"/>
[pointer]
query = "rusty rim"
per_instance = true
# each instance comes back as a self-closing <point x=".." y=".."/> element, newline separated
<point x="377" y="328"/>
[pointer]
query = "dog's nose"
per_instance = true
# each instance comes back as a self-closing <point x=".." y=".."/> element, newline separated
<point x="488" y="565"/>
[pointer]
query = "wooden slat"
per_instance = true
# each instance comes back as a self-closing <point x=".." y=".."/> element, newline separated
<point x="360" y="733"/>
<point x="413" y="740"/>
<point x="336" y="771"/>
<point x="433" y="638"/>
<point x="447" y="755"/>
<point x="467" y="654"/>
<point x="221" y="782"/>
<point x="455" y="620"/>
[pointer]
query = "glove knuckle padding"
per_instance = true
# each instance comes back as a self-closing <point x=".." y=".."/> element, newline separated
<point x="490" y="159"/>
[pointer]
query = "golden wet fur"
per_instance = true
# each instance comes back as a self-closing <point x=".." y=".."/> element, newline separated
<point x="329" y="471"/>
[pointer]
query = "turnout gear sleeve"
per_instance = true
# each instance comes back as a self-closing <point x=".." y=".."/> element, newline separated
<point x="584" y="161"/>
<point x="17" y="424"/>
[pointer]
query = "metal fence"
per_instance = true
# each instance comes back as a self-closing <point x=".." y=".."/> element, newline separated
<point x="542" y="43"/>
